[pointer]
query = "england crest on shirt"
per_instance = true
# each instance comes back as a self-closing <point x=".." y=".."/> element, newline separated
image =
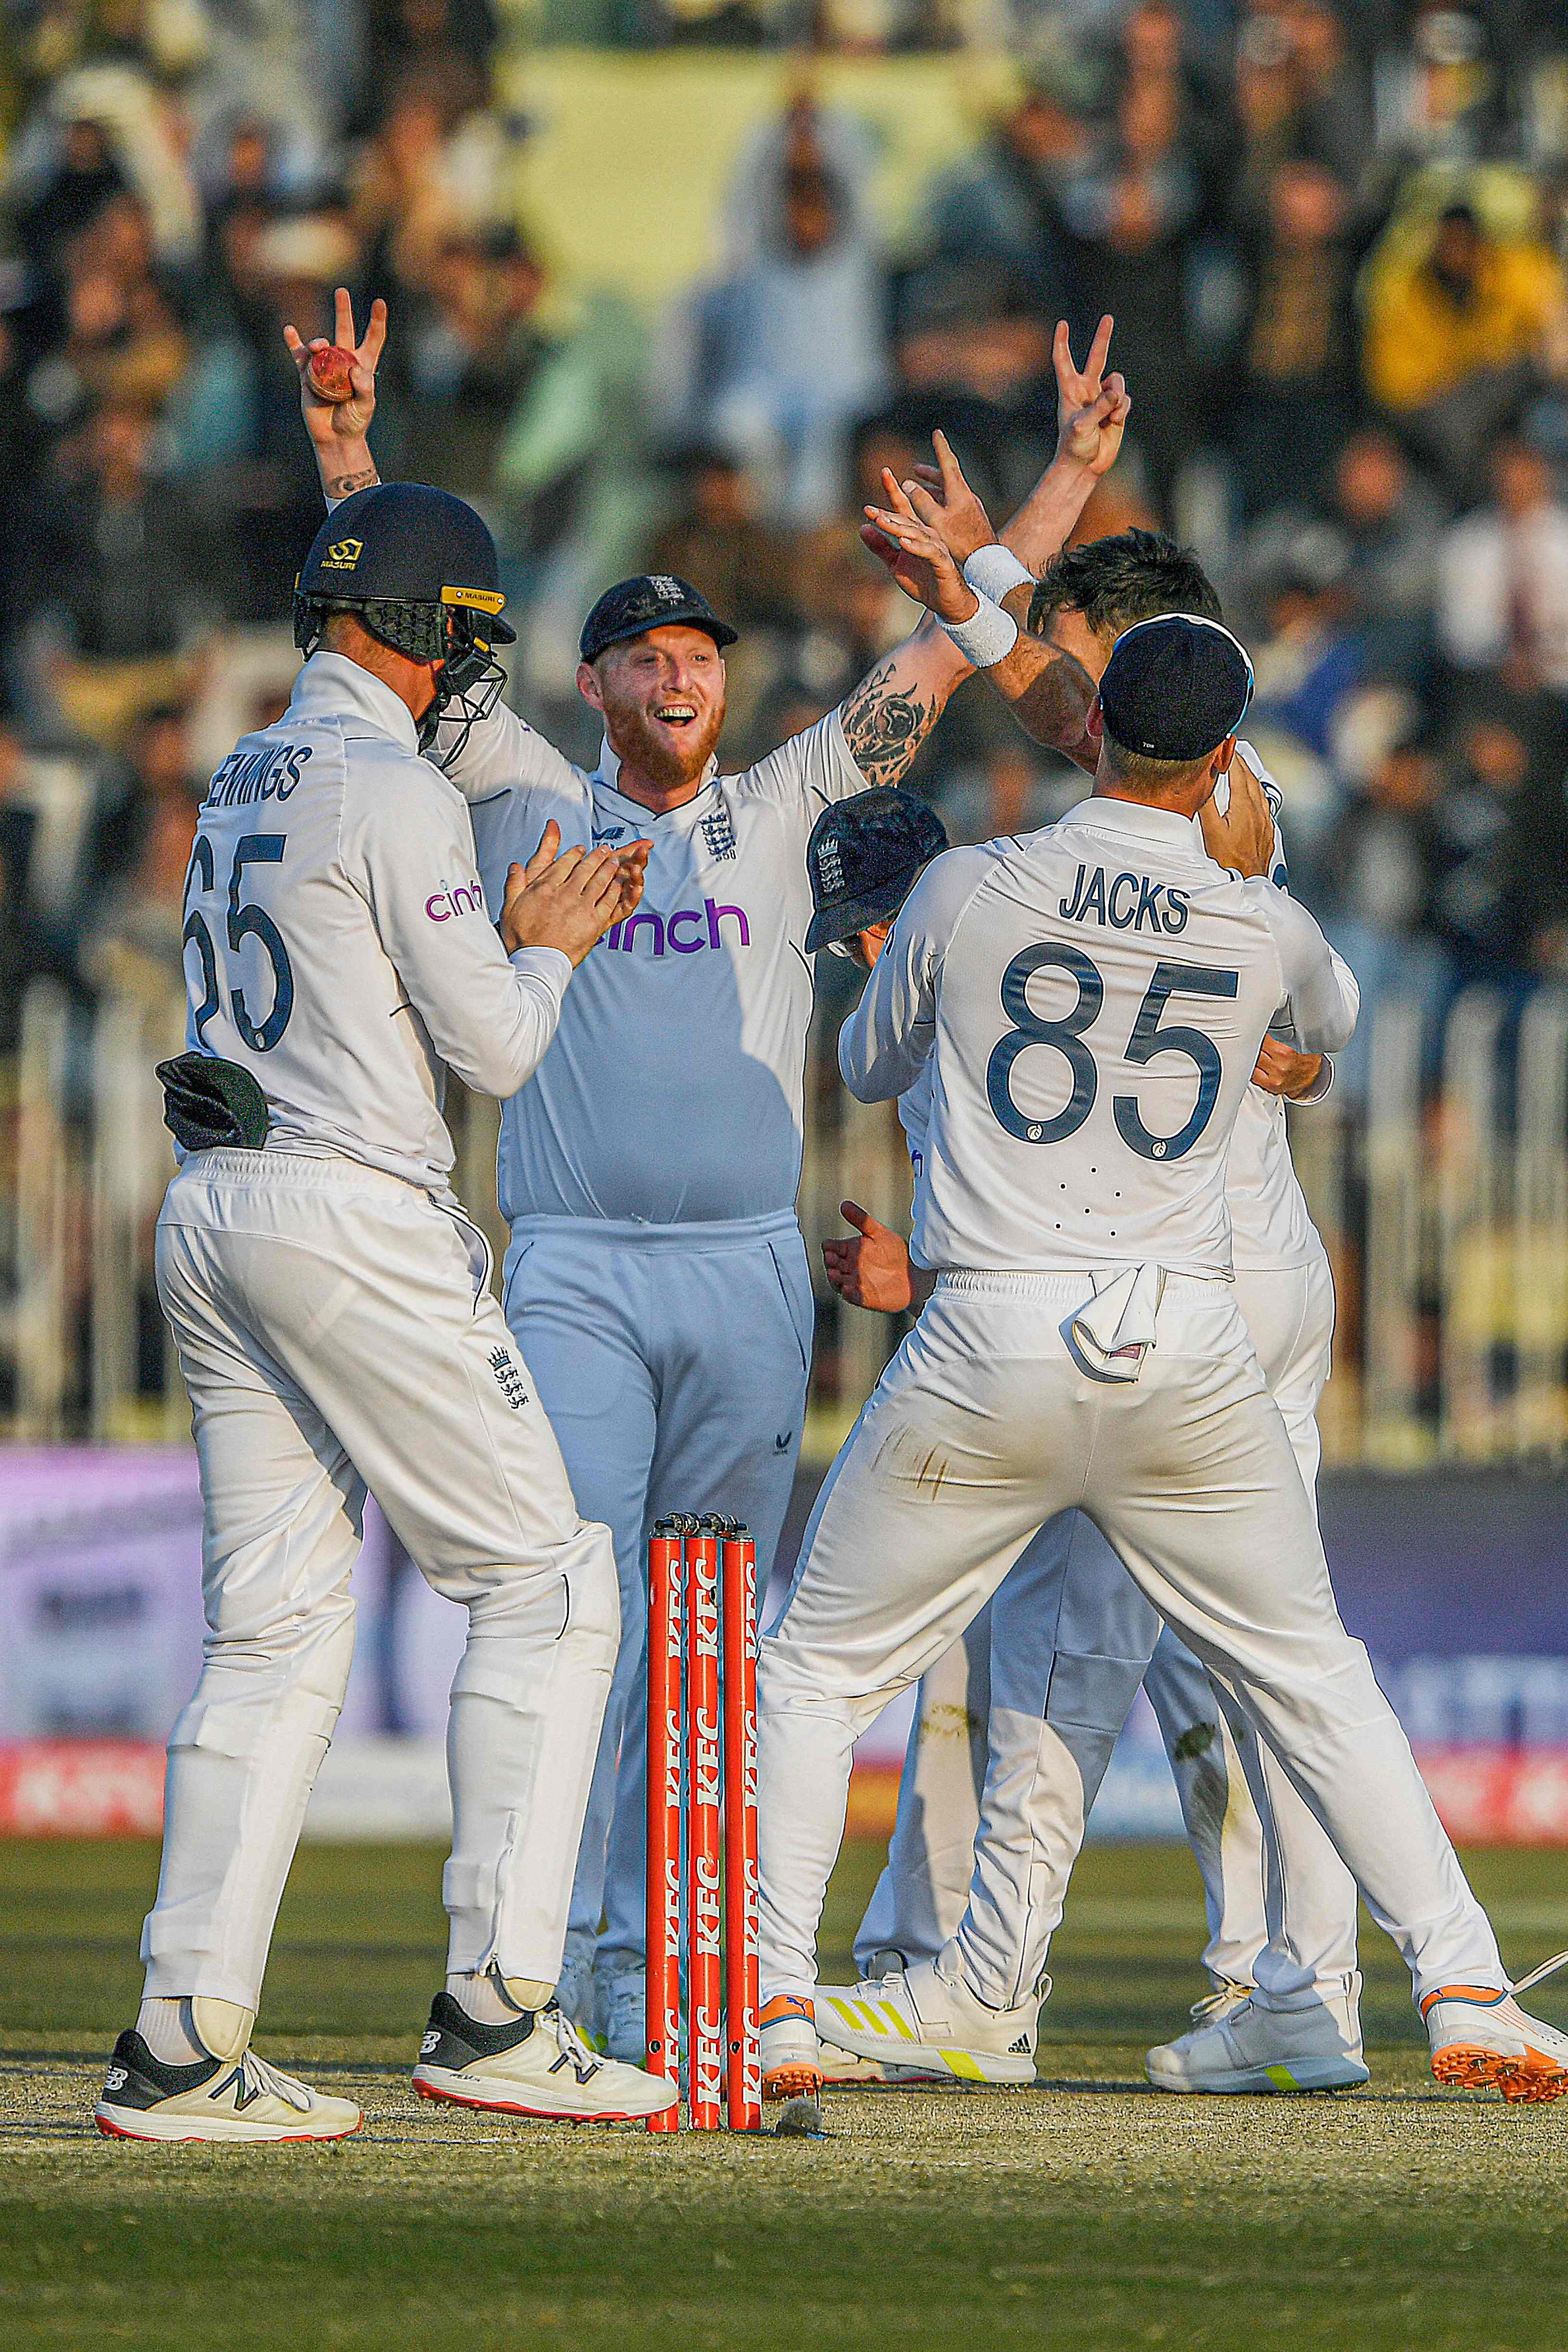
<point x="718" y="830"/>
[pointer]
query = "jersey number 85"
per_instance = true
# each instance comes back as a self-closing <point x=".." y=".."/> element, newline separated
<point x="1067" y="1036"/>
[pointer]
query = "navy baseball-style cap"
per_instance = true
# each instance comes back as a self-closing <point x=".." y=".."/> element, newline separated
<point x="654" y="601"/>
<point x="865" y="856"/>
<point x="1175" y="687"/>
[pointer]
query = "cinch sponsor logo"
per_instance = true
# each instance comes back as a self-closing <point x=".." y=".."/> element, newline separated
<point x="466" y="899"/>
<point x="686" y="932"/>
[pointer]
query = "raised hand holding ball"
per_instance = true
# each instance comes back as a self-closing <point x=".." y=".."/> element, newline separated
<point x="330" y="371"/>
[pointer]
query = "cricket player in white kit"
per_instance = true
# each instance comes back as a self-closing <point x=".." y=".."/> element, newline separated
<point x="1059" y="1654"/>
<point x="657" y="1282"/>
<point x="336" y="1330"/>
<point x="1083" y="1348"/>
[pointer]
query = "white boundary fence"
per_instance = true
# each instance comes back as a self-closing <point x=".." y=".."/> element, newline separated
<point x="1444" y="1205"/>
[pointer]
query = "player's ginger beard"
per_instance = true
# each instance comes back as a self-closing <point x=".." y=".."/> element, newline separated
<point x="660" y="766"/>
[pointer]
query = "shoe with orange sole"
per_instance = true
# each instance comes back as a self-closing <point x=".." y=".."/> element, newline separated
<point x="1481" y="2039"/>
<point x="791" y="2054"/>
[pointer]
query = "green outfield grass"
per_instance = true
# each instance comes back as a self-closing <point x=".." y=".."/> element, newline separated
<point x="1088" y="2213"/>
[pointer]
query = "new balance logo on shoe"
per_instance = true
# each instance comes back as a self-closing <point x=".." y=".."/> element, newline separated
<point x="245" y="2091"/>
<point x="116" y="2079"/>
<point x="430" y="2041"/>
<point x="583" y="2064"/>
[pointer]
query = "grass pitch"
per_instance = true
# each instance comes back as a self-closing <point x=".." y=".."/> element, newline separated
<point x="1090" y="2213"/>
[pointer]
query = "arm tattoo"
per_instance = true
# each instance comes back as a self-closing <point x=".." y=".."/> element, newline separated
<point x="343" y="486"/>
<point x="884" y="728"/>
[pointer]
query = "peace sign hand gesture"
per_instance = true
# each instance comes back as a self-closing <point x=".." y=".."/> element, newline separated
<point x="1091" y="407"/>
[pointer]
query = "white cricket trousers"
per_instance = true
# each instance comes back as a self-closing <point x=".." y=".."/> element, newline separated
<point x="671" y="1361"/>
<point x="336" y="1334"/>
<point x="1036" y="1693"/>
<point x="982" y="1428"/>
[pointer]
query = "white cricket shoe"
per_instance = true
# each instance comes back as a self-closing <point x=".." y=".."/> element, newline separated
<point x="1238" y="2047"/>
<point x="846" y="2070"/>
<point x="925" y="2019"/>
<point x="240" y="2098"/>
<point x="790" y="2053"/>
<point x="539" y="2066"/>
<point x="1481" y="2036"/>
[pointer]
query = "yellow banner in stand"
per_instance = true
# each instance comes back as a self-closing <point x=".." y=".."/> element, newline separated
<point x="623" y="177"/>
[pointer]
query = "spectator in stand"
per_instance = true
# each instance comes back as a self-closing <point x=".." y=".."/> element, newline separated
<point x="1500" y="843"/>
<point x="1383" y="861"/>
<point x="449" y="41"/>
<point x="746" y="569"/>
<point x="974" y="359"/>
<point x="143" y="133"/>
<point x="235" y="425"/>
<point x="118" y="580"/>
<point x="406" y="204"/>
<point x="787" y="350"/>
<point x="1334" y="96"/>
<point x="1268" y="99"/>
<point x="1308" y="655"/>
<point x="717" y="541"/>
<point x="1441" y="96"/>
<point x="43" y="806"/>
<point x="472" y="359"/>
<point x="72" y="177"/>
<point x="1137" y="213"/>
<point x="132" y="899"/>
<point x="1002" y="205"/>
<point x="1462" y="328"/>
<point x="1503" y="599"/>
<point x="1300" y="394"/>
<point x="1379" y="523"/>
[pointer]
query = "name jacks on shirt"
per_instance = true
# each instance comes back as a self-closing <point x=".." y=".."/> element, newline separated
<point x="1133" y="902"/>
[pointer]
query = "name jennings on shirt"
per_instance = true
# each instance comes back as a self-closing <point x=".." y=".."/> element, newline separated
<point x="268" y="773"/>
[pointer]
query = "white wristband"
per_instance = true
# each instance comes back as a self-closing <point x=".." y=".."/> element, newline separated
<point x="994" y="571"/>
<point x="988" y="637"/>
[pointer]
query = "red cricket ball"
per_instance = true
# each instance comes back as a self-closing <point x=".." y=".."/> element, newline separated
<point x="331" y="373"/>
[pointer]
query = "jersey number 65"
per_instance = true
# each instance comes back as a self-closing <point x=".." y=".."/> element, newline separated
<point x="244" y="922"/>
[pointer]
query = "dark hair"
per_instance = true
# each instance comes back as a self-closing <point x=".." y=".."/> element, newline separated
<point x="1116" y="581"/>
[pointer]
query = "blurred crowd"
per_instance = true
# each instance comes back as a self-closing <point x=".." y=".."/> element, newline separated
<point x="1332" y="234"/>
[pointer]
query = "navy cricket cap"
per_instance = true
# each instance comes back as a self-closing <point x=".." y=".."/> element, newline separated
<point x="864" y="857"/>
<point x="1175" y="687"/>
<point x="653" y="601"/>
<point x="405" y="544"/>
